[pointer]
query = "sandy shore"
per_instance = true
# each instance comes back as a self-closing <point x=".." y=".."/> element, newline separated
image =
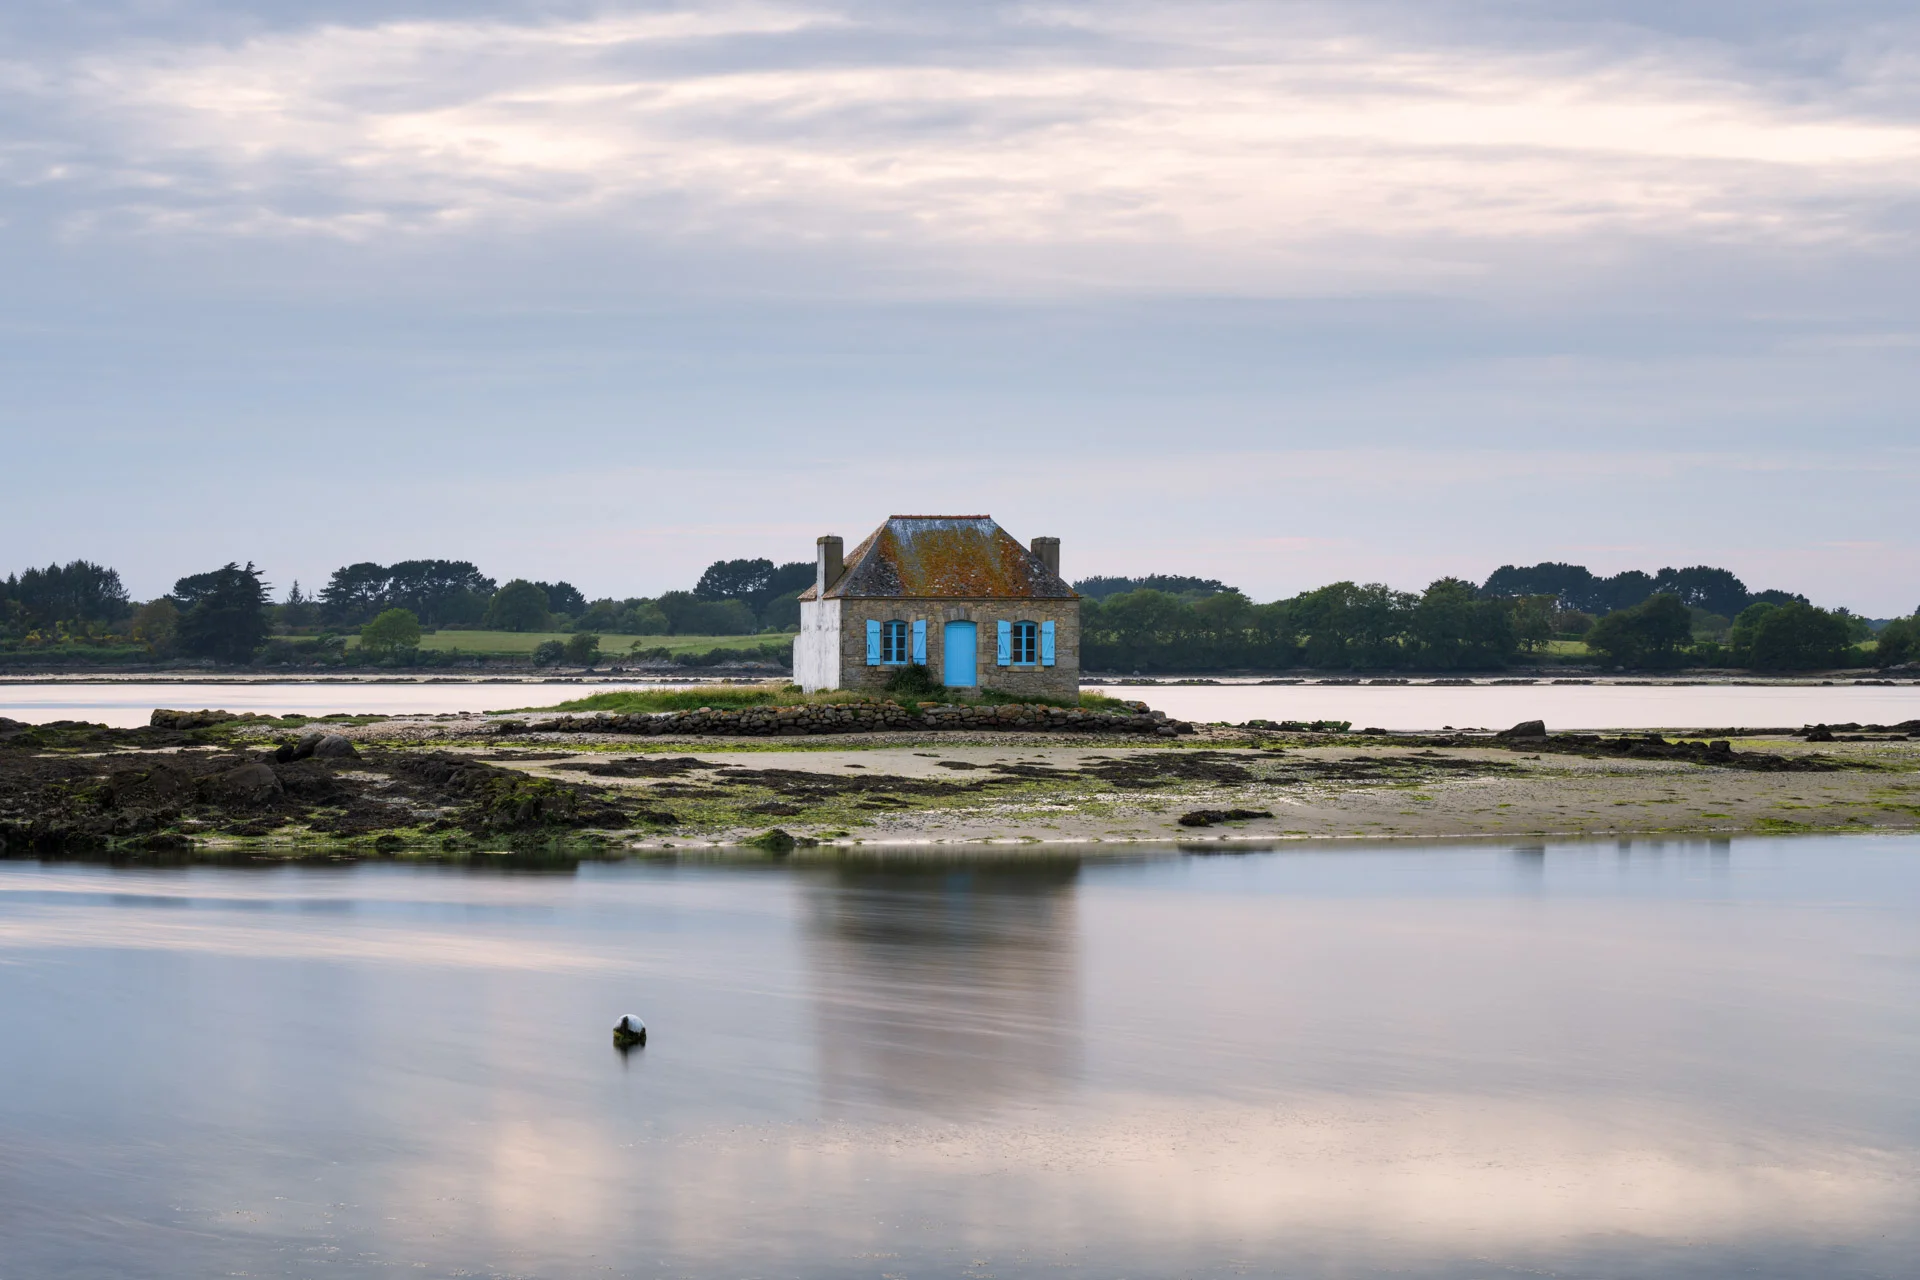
<point x="1038" y="788"/>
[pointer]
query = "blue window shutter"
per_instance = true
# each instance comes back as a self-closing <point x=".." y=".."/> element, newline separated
<point x="1006" y="643"/>
<point x="920" y="641"/>
<point x="873" y="642"/>
<point x="1046" y="644"/>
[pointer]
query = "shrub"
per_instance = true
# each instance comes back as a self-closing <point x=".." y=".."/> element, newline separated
<point x="1899" y="642"/>
<point x="582" y="648"/>
<point x="548" y="652"/>
<point x="914" y="680"/>
<point x="394" y="629"/>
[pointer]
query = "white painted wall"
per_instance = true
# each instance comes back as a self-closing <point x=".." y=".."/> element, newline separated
<point x="816" y="650"/>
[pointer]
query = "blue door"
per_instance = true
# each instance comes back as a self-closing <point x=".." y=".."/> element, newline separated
<point x="959" y="638"/>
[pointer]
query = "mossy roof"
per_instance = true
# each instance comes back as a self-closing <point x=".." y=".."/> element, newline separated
<point x="945" y="558"/>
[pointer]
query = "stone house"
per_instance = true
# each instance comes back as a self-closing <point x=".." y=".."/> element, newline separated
<point x="954" y="593"/>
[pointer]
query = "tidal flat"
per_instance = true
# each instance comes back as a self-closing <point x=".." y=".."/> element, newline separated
<point x="460" y="787"/>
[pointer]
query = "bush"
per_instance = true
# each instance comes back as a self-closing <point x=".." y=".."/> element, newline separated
<point x="780" y="654"/>
<point x="1899" y="642"/>
<point x="548" y="652"/>
<point x="1648" y="635"/>
<point x="688" y="615"/>
<point x="914" y="681"/>
<point x="394" y="629"/>
<point x="582" y="648"/>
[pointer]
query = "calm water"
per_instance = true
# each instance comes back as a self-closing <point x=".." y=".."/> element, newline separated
<point x="1563" y="707"/>
<point x="1633" y="706"/>
<point x="125" y="704"/>
<point x="1580" y="1060"/>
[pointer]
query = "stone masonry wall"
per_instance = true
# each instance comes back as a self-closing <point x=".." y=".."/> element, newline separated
<point x="1061" y="680"/>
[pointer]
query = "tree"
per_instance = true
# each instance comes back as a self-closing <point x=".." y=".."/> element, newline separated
<point x="1533" y="621"/>
<point x="79" y="591"/>
<point x="1168" y="584"/>
<point x="1650" y="634"/>
<point x="1899" y="642"/>
<point x="583" y="648"/>
<point x="518" y="606"/>
<point x="1347" y="625"/>
<point x="564" y="597"/>
<point x="1794" y="636"/>
<point x="1452" y="629"/>
<point x="1575" y="587"/>
<point x="223" y="613"/>
<point x="734" y="580"/>
<point x="394" y="629"/>
<point x="688" y="615"/>
<point x="298" y="611"/>
<point x="354" y="594"/>
<point x="437" y="592"/>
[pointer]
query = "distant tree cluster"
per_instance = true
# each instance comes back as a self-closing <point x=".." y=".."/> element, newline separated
<point x="1156" y="623"/>
<point x="438" y="593"/>
<point x="1449" y="627"/>
<point x="1573" y="587"/>
<point x="1166" y="584"/>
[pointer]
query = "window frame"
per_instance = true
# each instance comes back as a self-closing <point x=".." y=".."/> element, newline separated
<point x="1024" y="647"/>
<point x="896" y="643"/>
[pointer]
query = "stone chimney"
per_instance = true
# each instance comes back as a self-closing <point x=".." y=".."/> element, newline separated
<point x="828" y="566"/>
<point x="1048" y="550"/>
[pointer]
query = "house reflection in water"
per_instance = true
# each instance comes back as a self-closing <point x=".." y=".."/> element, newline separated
<point x="944" y="985"/>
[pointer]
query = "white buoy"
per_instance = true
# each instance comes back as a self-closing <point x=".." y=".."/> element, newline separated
<point x="629" y="1031"/>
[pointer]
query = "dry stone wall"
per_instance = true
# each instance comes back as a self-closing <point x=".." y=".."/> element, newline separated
<point x="859" y="717"/>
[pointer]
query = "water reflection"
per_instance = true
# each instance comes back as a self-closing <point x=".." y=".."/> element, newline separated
<point x="944" y="986"/>
<point x="1672" y="1059"/>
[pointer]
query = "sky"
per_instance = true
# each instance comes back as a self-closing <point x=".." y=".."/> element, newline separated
<point x="1278" y="293"/>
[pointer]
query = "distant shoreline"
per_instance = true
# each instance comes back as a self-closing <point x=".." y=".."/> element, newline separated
<point x="720" y="676"/>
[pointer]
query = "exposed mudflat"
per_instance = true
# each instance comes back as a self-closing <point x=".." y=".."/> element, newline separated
<point x="460" y="786"/>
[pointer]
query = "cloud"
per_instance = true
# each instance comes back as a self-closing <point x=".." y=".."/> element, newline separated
<point x="1220" y="146"/>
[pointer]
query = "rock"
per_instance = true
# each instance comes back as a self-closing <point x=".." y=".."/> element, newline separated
<point x="162" y="718"/>
<point x="301" y="749"/>
<point x="1208" y="817"/>
<point x="1525" y="729"/>
<point x="1819" y="733"/>
<point x="334" y="747"/>
<point x="251" y="783"/>
<point x="165" y="786"/>
<point x="629" y="1032"/>
<point x="774" y="841"/>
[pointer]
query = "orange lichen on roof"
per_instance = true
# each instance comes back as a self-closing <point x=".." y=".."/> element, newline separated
<point x="945" y="557"/>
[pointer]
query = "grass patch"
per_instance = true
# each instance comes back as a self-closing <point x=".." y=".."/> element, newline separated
<point x="732" y="696"/>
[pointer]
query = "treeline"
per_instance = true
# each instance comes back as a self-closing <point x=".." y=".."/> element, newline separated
<point x="1573" y="587"/>
<point x="732" y="598"/>
<point x="228" y="614"/>
<point x="1455" y="625"/>
<point x="1161" y="623"/>
<point x="1345" y="626"/>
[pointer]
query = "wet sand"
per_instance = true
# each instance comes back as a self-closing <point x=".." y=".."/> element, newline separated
<point x="1037" y="788"/>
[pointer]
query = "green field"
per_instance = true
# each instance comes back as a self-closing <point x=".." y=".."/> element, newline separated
<point x="524" y="642"/>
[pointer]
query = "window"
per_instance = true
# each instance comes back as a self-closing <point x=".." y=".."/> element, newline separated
<point x="1026" y="644"/>
<point x="893" y="643"/>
